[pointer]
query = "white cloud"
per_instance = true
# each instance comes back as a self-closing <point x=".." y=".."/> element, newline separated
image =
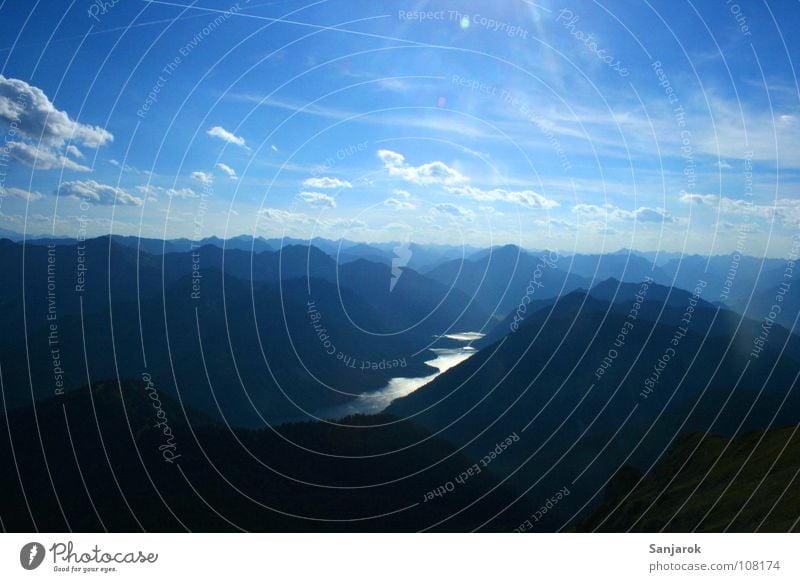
<point x="11" y="218"/>
<point x="202" y="177"/>
<point x="426" y="174"/>
<point x="37" y="118"/>
<point x="727" y="205"/>
<point x="699" y="199"/>
<point x="227" y="170"/>
<point x="786" y="210"/>
<point x="37" y="131"/>
<point x="453" y="210"/>
<point x="151" y="192"/>
<point x="225" y="135"/>
<point x="398" y="204"/>
<point x="327" y="183"/>
<point x="181" y="193"/>
<point x="391" y="159"/>
<point x="285" y="217"/>
<point x="490" y="210"/>
<point x="723" y="165"/>
<point x="562" y="224"/>
<point x="348" y="223"/>
<point x="527" y="198"/>
<point x="275" y="218"/>
<point x="42" y="157"/>
<point x="74" y="152"/>
<point x="318" y="200"/>
<point x="402" y="193"/>
<point x="644" y="214"/>
<point x="768" y="135"/>
<point x="96" y="193"/>
<point x="123" y="167"/>
<point x="401" y="226"/>
<point x="26" y="195"/>
<point x="590" y="210"/>
<point x="732" y="206"/>
<point x="613" y="213"/>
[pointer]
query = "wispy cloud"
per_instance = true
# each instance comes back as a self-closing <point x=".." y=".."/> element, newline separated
<point x="527" y="198"/>
<point x="453" y="210"/>
<point x="284" y="217"/>
<point x="398" y="204"/>
<point x="318" y="200"/>
<point x="97" y="193"/>
<point x="202" y="177"/>
<point x="326" y="182"/>
<point x="786" y="210"/>
<point x="44" y="158"/>
<point x="227" y="136"/>
<point x="152" y="192"/>
<point x="227" y="170"/>
<point x="614" y="213"/>
<point x="428" y="120"/>
<point x="27" y="195"/>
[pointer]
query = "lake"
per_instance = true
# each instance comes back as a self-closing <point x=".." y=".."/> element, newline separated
<point x="377" y="400"/>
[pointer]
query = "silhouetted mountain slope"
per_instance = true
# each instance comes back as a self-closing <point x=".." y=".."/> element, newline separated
<point x="665" y="304"/>
<point x="626" y="267"/>
<point x="150" y="300"/>
<point x="415" y="304"/>
<point x="132" y="274"/>
<point x="659" y="257"/>
<point x="502" y="279"/>
<point x="11" y="235"/>
<point x="103" y="268"/>
<point x="720" y="266"/>
<point x="52" y="282"/>
<point x="588" y="408"/>
<point x="236" y="346"/>
<point x="329" y="247"/>
<point x="104" y="453"/>
<point x="363" y="251"/>
<point x="414" y="299"/>
<point x="775" y="298"/>
<point x="732" y="277"/>
<point x="269" y="266"/>
<point x="709" y="483"/>
<point x="154" y="246"/>
<point x="426" y="257"/>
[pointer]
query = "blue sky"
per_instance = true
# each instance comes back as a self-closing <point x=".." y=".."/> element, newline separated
<point x="570" y="125"/>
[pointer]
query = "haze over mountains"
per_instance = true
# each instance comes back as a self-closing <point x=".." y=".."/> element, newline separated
<point x="591" y="372"/>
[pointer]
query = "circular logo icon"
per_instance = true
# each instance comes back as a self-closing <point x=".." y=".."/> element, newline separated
<point x="31" y="555"/>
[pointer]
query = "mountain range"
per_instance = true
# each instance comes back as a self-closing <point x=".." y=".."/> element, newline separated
<point x="620" y="378"/>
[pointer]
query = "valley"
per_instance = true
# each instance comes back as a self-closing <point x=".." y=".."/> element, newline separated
<point x="598" y="365"/>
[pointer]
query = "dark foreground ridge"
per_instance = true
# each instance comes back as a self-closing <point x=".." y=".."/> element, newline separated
<point x="708" y="483"/>
<point x="114" y="458"/>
